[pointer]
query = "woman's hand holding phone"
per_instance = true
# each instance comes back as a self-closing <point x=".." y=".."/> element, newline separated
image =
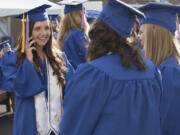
<point x="28" y="51"/>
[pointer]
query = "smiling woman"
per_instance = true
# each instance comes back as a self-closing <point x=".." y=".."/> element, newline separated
<point x="41" y="33"/>
<point x="37" y="74"/>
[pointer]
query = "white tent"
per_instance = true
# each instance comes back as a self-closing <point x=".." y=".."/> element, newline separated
<point x="15" y="7"/>
<point x="94" y="5"/>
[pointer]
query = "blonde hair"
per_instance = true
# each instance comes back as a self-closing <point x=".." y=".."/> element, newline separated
<point x="1" y="53"/>
<point x="159" y="43"/>
<point x="70" y="21"/>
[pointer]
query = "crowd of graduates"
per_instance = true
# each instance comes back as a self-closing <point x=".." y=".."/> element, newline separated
<point x="117" y="74"/>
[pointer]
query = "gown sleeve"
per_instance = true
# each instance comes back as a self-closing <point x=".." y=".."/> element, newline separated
<point x="171" y="92"/>
<point x="24" y="80"/>
<point x="84" y="101"/>
<point x="75" y="47"/>
<point x="3" y="84"/>
<point x="70" y="71"/>
<point x="1" y="77"/>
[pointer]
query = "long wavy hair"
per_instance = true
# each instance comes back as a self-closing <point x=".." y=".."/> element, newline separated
<point x="70" y="21"/>
<point x="104" y="40"/>
<point x="160" y="43"/>
<point x="57" y="62"/>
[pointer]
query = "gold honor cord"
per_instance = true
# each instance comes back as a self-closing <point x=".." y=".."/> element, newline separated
<point x="62" y="109"/>
<point x="23" y="34"/>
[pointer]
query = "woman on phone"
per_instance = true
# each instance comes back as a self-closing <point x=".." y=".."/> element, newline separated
<point x="37" y="75"/>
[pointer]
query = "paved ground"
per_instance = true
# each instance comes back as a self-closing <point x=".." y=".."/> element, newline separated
<point x="6" y="124"/>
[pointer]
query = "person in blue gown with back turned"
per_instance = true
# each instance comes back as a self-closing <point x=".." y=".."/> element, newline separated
<point x="37" y="74"/>
<point x="162" y="48"/>
<point x="118" y="91"/>
<point x="72" y="32"/>
<point x="4" y="47"/>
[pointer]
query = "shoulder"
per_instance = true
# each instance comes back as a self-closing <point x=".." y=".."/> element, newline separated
<point x="112" y="65"/>
<point x="170" y="71"/>
<point x="150" y="65"/>
<point x="76" y="33"/>
<point x="170" y="67"/>
<point x="86" y="70"/>
<point x="12" y="53"/>
<point x="9" y="57"/>
<point x="97" y="73"/>
<point x="170" y="62"/>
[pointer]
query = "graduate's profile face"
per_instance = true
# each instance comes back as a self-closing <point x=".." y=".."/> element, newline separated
<point x="142" y="35"/>
<point x="41" y="32"/>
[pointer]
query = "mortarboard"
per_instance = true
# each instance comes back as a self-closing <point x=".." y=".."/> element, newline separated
<point x="72" y="5"/>
<point x="91" y="15"/>
<point x="36" y="14"/>
<point x="53" y="17"/>
<point x="33" y="15"/>
<point x="161" y="14"/>
<point x="4" y="44"/>
<point x="120" y="17"/>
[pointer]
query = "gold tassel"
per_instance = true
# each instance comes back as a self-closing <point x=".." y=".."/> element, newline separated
<point x="23" y="34"/>
<point x="62" y="109"/>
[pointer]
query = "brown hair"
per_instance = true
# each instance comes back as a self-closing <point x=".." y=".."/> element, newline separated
<point x="70" y="21"/>
<point x="159" y="43"/>
<point x="104" y="40"/>
<point x="135" y="31"/>
<point x="57" y="63"/>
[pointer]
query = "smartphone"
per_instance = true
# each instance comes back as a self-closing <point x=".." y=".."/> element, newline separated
<point x="33" y="45"/>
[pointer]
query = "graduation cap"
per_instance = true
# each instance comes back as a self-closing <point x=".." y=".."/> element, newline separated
<point x="91" y="15"/>
<point x="161" y="14"/>
<point x="120" y="17"/>
<point x="53" y="17"/>
<point x="72" y="5"/>
<point x="33" y="15"/>
<point x="4" y="44"/>
<point x="36" y="14"/>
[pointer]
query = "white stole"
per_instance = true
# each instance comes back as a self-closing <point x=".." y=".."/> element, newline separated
<point x="48" y="113"/>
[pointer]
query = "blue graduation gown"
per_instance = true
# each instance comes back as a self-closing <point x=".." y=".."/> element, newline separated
<point x="104" y="98"/>
<point x="74" y="47"/>
<point x="3" y="83"/>
<point x="26" y="83"/>
<point x="55" y="34"/>
<point x="1" y="76"/>
<point x="170" y="109"/>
